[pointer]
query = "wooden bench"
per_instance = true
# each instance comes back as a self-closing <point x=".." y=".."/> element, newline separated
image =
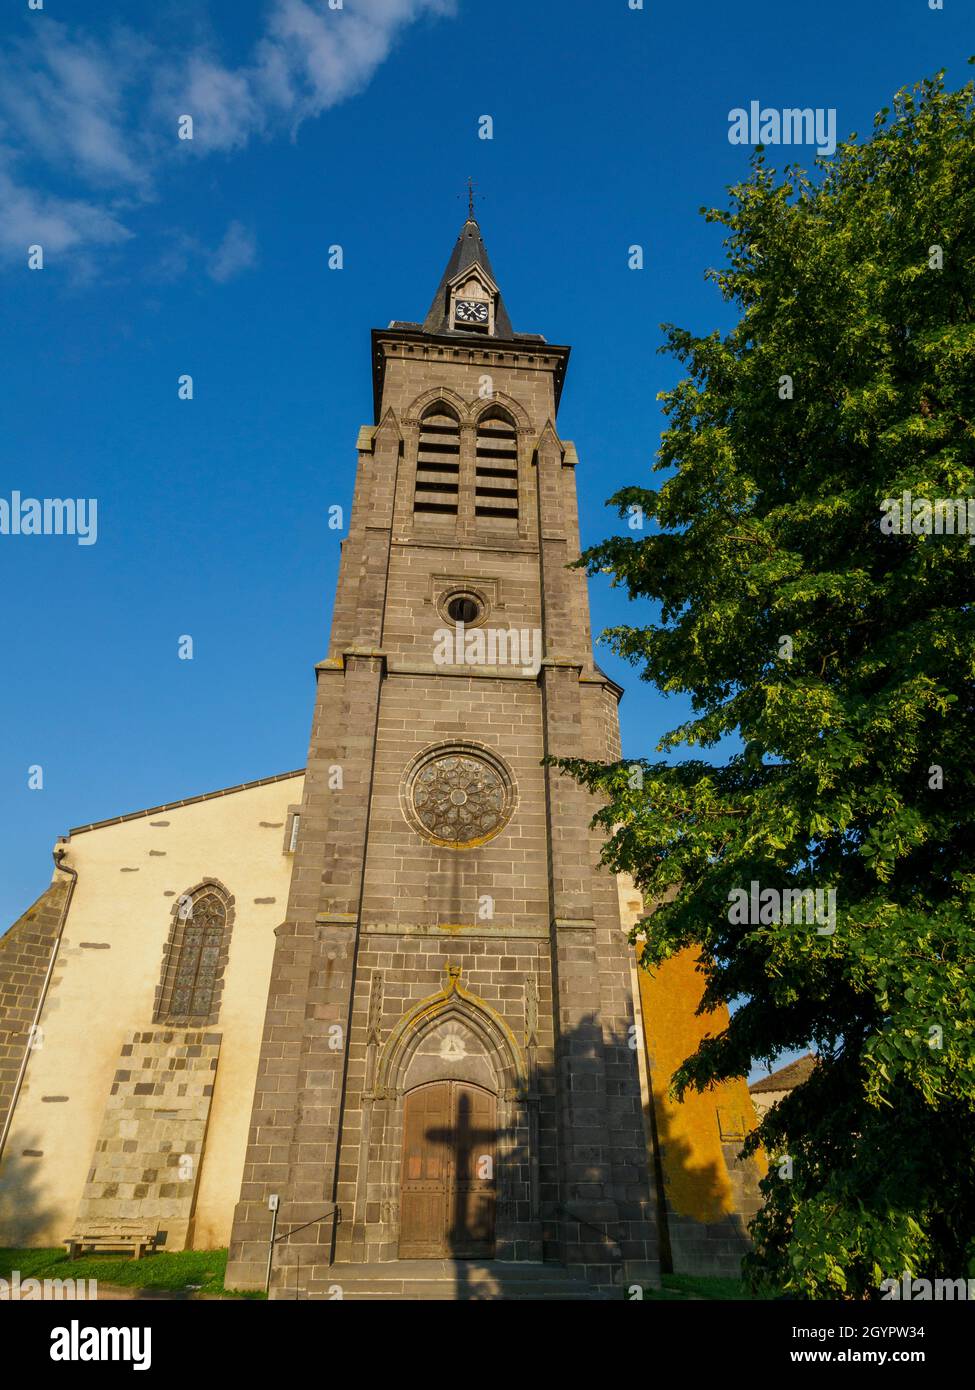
<point x="111" y="1236"/>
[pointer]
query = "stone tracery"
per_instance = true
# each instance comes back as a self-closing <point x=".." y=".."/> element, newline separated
<point x="459" y="798"/>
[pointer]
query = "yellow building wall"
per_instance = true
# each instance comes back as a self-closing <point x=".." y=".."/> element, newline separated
<point x="699" y="1134"/>
<point x="99" y="996"/>
<point x="696" y="1176"/>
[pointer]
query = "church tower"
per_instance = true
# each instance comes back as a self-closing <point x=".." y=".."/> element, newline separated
<point x="448" y="1066"/>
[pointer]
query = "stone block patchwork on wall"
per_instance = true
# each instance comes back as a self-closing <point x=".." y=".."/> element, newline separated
<point x="147" y="1159"/>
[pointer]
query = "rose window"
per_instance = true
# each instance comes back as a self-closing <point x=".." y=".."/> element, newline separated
<point x="459" y="799"/>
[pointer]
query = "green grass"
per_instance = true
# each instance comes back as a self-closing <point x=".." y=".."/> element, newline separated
<point x="679" y="1287"/>
<point x="200" y="1271"/>
<point x="203" y="1271"/>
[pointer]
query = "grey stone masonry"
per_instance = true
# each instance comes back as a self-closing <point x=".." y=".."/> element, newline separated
<point x="25" y="953"/>
<point x="146" y="1164"/>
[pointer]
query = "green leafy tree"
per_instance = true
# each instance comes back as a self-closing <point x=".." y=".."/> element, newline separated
<point x="839" y="657"/>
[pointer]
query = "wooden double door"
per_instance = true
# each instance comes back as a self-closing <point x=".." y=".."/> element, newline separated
<point x="448" y="1196"/>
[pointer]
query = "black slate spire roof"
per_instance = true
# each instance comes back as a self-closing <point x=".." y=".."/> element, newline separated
<point x="469" y="250"/>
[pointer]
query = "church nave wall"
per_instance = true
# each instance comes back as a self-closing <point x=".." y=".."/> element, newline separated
<point x="103" y="998"/>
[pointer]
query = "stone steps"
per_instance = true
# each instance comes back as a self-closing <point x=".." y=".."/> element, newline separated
<point x="446" y="1281"/>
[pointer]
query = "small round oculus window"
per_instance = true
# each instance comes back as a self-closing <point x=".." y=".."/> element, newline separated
<point x="463" y="608"/>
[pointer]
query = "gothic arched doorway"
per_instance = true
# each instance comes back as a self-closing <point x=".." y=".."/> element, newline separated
<point x="448" y="1197"/>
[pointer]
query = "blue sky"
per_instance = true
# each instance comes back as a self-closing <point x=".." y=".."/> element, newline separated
<point x="209" y="257"/>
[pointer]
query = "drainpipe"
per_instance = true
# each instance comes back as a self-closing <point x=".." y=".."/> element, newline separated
<point x="59" y="851"/>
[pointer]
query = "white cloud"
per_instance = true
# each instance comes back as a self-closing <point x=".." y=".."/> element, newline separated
<point x="104" y="112"/>
<point x="319" y="57"/>
<point x="226" y="112"/>
<point x="236" y="252"/>
<point x="63" y="100"/>
<point x="28" y="217"/>
<point x="309" y="59"/>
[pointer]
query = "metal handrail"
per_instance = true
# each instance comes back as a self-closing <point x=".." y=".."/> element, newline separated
<point x="334" y="1210"/>
<point x="313" y="1222"/>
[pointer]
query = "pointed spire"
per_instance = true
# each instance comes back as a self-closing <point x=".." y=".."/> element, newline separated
<point x="468" y="251"/>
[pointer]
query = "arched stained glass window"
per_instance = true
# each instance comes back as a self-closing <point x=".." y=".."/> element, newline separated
<point x="195" y="958"/>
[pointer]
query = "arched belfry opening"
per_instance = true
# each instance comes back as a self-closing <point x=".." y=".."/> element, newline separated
<point x="437" y="483"/>
<point x="496" y="469"/>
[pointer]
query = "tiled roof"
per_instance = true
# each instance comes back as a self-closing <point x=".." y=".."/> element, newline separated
<point x="786" y="1078"/>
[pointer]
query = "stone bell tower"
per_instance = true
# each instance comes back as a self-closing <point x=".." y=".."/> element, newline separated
<point x="448" y="1065"/>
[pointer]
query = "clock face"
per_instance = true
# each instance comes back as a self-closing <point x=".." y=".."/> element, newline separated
<point x="471" y="311"/>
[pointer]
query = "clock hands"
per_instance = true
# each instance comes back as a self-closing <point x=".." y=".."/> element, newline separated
<point x="471" y="312"/>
